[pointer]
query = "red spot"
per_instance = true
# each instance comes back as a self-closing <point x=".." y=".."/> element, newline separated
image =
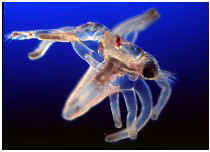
<point x="117" y="43"/>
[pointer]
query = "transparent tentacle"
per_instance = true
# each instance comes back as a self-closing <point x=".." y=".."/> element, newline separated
<point x="32" y="34"/>
<point x="136" y="24"/>
<point x="86" y="53"/>
<point x="87" y="32"/>
<point x="165" y="84"/>
<point x="125" y="84"/>
<point x="115" y="108"/>
<point x="131" y="104"/>
<point x="145" y="96"/>
<point x="117" y="136"/>
<point x="40" y="50"/>
<point x="130" y="131"/>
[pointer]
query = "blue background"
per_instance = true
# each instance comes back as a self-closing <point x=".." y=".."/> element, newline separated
<point x="34" y="92"/>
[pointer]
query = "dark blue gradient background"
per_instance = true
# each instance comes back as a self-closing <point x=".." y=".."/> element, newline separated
<point x="34" y="92"/>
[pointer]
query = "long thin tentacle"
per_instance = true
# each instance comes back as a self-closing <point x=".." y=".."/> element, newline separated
<point x="125" y="84"/>
<point x="40" y="50"/>
<point x="135" y="25"/>
<point x="165" y="94"/>
<point x="145" y="96"/>
<point x="130" y="131"/>
<point x="131" y="104"/>
<point x="87" y="54"/>
<point x="115" y="108"/>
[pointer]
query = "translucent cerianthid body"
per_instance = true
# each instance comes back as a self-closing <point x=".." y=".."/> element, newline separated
<point x="117" y="66"/>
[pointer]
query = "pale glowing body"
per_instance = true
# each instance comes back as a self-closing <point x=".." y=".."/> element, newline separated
<point x="117" y="66"/>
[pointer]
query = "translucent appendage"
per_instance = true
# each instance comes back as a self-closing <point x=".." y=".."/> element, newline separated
<point x="131" y="105"/>
<point x="165" y="94"/>
<point x="115" y="108"/>
<point x="135" y="25"/>
<point x="86" y="95"/>
<point x="134" y="125"/>
<point x="87" y="54"/>
<point x="145" y="96"/>
<point x="40" y="50"/>
<point x="115" y="137"/>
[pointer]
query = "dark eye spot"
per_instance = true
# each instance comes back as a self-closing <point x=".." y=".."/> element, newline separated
<point x="150" y="70"/>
